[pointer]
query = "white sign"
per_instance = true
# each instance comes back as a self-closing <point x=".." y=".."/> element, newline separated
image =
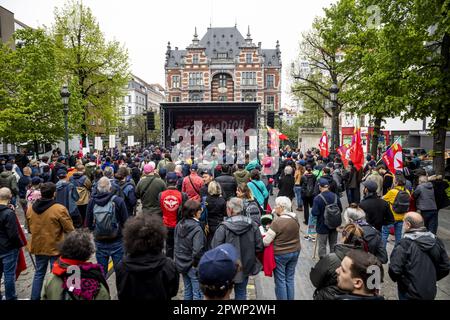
<point x="130" y="141"/>
<point x="112" y="141"/>
<point x="222" y="146"/>
<point x="98" y="143"/>
<point x="85" y="151"/>
<point x="253" y="142"/>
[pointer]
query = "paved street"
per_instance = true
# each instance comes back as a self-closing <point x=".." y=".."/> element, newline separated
<point x="261" y="287"/>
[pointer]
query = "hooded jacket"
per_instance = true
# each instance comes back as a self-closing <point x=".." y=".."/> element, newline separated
<point x="323" y="275"/>
<point x="102" y="199"/>
<point x="378" y="213"/>
<point x="8" y="180"/>
<point x="417" y="262"/>
<point x="190" y="243"/>
<point x="83" y="186"/>
<point x="424" y="196"/>
<point x="149" y="276"/>
<point x="228" y="184"/>
<point x="47" y="223"/>
<point x="242" y="176"/>
<point x="148" y="190"/>
<point x="374" y="241"/>
<point x="244" y="235"/>
<point x="9" y="232"/>
<point x="67" y="195"/>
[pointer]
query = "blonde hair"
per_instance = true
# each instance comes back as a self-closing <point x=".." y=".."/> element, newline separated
<point x="27" y="171"/>
<point x="214" y="189"/>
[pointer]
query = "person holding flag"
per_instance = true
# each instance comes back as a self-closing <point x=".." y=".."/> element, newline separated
<point x="354" y="175"/>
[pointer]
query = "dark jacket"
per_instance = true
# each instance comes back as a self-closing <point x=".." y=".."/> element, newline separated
<point x="217" y="210"/>
<point x="417" y="262"/>
<point x="318" y="210"/>
<point x="354" y="177"/>
<point x="228" y="184"/>
<point x="23" y="184"/>
<point x="377" y="211"/>
<point x="440" y="195"/>
<point x="286" y="186"/>
<point x="308" y="178"/>
<point x="323" y="275"/>
<point x="129" y="194"/>
<point x="424" y="196"/>
<point x="245" y="236"/>
<point x="54" y="176"/>
<point x="374" y="241"/>
<point x="67" y="195"/>
<point x="332" y="185"/>
<point x="359" y="297"/>
<point x="8" y="180"/>
<point x="190" y="244"/>
<point x="9" y="230"/>
<point x="146" y="277"/>
<point x="102" y="199"/>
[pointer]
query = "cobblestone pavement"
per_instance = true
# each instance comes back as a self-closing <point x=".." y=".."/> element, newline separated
<point x="261" y="287"/>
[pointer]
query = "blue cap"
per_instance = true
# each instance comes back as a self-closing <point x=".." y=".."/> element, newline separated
<point x="61" y="158"/>
<point x="324" y="183"/>
<point x="36" y="181"/>
<point x="194" y="166"/>
<point x="61" y="173"/>
<point x="171" y="177"/>
<point x="8" y="166"/>
<point x="219" y="265"/>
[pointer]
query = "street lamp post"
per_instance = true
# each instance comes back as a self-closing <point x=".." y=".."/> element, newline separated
<point x="334" y="120"/>
<point x="145" y="121"/>
<point x="280" y="114"/>
<point x="65" y="94"/>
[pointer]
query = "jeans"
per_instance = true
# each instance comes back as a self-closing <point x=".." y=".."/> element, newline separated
<point x="398" y="225"/>
<point x="191" y="285"/>
<point x="430" y="218"/>
<point x="9" y="263"/>
<point x="240" y="290"/>
<point x="104" y="250"/>
<point x="39" y="275"/>
<point x="331" y="237"/>
<point x="298" y="196"/>
<point x="170" y="242"/>
<point x="284" y="275"/>
<point x="307" y="203"/>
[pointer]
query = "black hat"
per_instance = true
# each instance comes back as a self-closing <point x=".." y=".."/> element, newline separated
<point x="370" y="185"/>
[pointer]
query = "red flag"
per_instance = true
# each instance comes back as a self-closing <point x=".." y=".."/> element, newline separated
<point x="323" y="145"/>
<point x="356" y="150"/>
<point x="344" y="152"/>
<point x="21" y="263"/>
<point x="393" y="157"/>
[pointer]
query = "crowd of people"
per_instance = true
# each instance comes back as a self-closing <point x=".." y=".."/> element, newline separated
<point x="159" y="220"/>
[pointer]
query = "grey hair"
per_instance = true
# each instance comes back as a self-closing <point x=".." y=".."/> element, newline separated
<point x="288" y="170"/>
<point x="284" y="202"/>
<point x="236" y="205"/>
<point x="109" y="172"/>
<point x="423" y="179"/>
<point x="415" y="221"/>
<point x="5" y="194"/>
<point x="354" y="214"/>
<point x="104" y="185"/>
<point x="178" y="168"/>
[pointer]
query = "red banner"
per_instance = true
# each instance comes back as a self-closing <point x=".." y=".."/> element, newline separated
<point x="323" y="145"/>
<point x="356" y="150"/>
<point x="393" y="157"/>
<point x="344" y="152"/>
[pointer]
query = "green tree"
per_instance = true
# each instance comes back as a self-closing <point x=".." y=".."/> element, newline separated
<point x="31" y="108"/>
<point x="97" y="69"/>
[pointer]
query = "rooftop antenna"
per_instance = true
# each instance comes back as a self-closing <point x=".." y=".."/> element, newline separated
<point x="235" y="22"/>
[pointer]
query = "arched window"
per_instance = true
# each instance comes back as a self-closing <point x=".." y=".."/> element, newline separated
<point x="222" y="80"/>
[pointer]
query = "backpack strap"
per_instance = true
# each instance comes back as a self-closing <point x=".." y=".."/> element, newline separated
<point x="323" y="198"/>
<point x="260" y="191"/>
<point x="192" y="184"/>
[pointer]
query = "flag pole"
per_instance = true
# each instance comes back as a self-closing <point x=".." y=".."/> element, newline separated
<point x="399" y="137"/>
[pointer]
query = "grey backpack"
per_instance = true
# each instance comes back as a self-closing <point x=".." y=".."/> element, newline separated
<point x="332" y="214"/>
<point x="105" y="221"/>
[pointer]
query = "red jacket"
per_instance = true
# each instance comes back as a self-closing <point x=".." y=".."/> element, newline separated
<point x="192" y="189"/>
<point x="170" y="201"/>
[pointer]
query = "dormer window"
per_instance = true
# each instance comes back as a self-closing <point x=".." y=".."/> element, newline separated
<point x="222" y="55"/>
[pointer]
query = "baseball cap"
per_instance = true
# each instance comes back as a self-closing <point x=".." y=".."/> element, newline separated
<point x="36" y="181"/>
<point x="194" y="166"/>
<point x="171" y="177"/>
<point x="61" y="158"/>
<point x="218" y="266"/>
<point x="149" y="167"/>
<point x="206" y="171"/>
<point x="61" y="173"/>
<point x="8" y="166"/>
<point x="370" y="185"/>
<point x="323" y="182"/>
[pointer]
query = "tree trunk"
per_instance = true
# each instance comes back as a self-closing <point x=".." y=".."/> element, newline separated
<point x="375" y="136"/>
<point x="440" y="132"/>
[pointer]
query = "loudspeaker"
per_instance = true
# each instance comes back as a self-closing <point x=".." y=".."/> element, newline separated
<point x="150" y="120"/>
<point x="271" y="119"/>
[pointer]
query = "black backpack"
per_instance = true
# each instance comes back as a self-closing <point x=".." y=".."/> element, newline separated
<point x="310" y="185"/>
<point x="253" y="210"/>
<point x="401" y="202"/>
<point x="332" y="214"/>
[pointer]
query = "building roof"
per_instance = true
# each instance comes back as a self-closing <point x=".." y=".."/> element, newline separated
<point x="222" y="40"/>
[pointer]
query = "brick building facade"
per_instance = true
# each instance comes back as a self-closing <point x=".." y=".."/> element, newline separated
<point x="224" y="66"/>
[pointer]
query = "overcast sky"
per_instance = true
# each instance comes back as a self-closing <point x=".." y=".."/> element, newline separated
<point x="145" y="26"/>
